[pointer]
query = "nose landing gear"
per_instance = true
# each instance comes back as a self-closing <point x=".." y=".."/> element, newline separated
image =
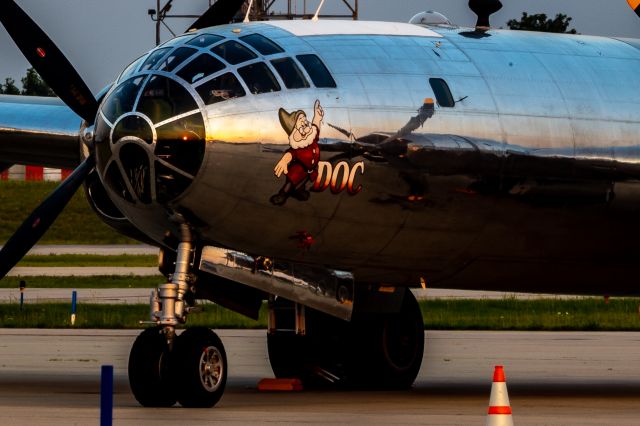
<point x="193" y="372"/>
<point x="190" y="368"/>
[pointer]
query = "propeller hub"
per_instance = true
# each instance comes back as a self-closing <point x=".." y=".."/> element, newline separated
<point x="88" y="135"/>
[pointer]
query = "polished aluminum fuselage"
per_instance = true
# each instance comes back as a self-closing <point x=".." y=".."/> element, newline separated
<point x="529" y="182"/>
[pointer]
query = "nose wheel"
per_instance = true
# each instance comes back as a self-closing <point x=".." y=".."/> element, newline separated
<point x="200" y="367"/>
<point x="149" y="369"/>
<point x="193" y="372"/>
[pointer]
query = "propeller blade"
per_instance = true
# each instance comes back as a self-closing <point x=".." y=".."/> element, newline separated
<point x="484" y="9"/>
<point x="42" y="218"/>
<point x="48" y="61"/>
<point x="635" y="5"/>
<point x="222" y="12"/>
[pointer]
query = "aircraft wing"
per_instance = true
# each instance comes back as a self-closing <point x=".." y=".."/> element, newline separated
<point x="38" y="131"/>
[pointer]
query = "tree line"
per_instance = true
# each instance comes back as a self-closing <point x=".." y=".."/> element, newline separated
<point x="540" y="22"/>
<point x="32" y="85"/>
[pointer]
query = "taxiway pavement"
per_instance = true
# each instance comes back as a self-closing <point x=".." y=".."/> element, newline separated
<point x="51" y="377"/>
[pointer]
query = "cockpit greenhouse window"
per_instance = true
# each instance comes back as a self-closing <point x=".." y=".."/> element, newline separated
<point x="259" y="79"/>
<point x="233" y="52"/>
<point x="262" y="44"/>
<point x="163" y="98"/>
<point x="176" y="58"/>
<point x="220" y="89"/>
<point x="122" y="99"/>
<point x="153" y="59"/>
<point x="205" y="40"/>
<point x="290" y="73"/>
<point x="316" y="69"/>
<point x="199" y="68"/>
<point x="130" y="69"/>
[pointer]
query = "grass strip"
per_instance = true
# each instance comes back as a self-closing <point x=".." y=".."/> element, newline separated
<point x="112" y="281"/>
<point x="68" y="260"/>
<point x="57" y="315"/>
<point x="507" y="314"/>
<point x="579" y="314"/>
<point x="77" y="224"/>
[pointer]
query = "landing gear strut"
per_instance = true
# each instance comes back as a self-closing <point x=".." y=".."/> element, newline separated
<point x="380" y="351"/>
<point x="190" y="368"/>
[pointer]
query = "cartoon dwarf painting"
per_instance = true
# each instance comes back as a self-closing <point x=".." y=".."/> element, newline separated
<point x="300" y="162"/>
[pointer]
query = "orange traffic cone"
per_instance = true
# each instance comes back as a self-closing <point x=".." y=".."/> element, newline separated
<point x="499" y="406"/>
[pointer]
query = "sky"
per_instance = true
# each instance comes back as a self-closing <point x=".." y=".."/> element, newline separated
<point x="100" y="37"/>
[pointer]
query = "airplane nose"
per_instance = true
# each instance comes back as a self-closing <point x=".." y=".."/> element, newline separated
<point x="150" y="140"/>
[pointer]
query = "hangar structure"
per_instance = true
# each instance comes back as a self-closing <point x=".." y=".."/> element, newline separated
<point x="261" y="10"/>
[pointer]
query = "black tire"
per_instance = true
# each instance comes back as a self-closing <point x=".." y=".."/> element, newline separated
<point x="149" y="374"/>
<point x="314" y="358"/>
<point x="380" y="352"/>
<point x="386" y="351"/>
<point x="199" y="367"/>
<point x="287" y="354"/>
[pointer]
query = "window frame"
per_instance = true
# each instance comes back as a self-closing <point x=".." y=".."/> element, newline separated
<point x="164" y="50"/>
<point x="266" y="66"/>
<point x="225" y="60"/>
<point x="186" y="64"/>
<point x="241" y="83"/>
<point x="208" y="46"/>
<point x="325" y="68"/>
<point x="278" y="48"/>
<point x="302" y="73"/>
<point x="167" y="67"/>
<point x="443" y="85"/>
<point x="178" y="105"/>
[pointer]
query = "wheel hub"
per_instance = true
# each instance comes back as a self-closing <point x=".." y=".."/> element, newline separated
<point x="211" y="368"/>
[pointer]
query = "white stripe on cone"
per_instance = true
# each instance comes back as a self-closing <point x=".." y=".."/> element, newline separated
<point x="499" y="413"/>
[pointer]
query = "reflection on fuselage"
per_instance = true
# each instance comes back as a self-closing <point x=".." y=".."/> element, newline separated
<point x="523" y="162"/>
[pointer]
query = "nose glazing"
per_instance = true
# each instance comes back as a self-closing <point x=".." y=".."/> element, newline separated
<point x="150" y="139"/>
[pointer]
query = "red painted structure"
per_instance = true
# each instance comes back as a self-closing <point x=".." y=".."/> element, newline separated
<point x="34" y="174"/>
